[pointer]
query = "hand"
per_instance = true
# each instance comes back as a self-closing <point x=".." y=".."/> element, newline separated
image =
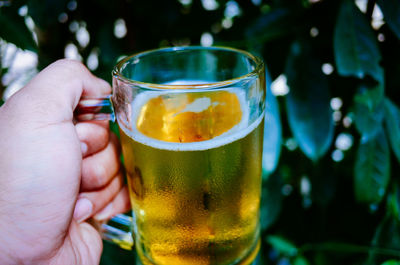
<point x="55" y="174"/>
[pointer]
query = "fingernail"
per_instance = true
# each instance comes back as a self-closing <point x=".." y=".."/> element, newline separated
<point x="84" y="148"/>
<point x="83" y="209"/>
<point x="105" y="213"/>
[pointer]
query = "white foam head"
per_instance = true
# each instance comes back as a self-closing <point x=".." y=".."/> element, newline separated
<point x="237" y="132"/>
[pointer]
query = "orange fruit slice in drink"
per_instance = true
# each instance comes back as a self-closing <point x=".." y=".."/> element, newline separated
<point x="189" y="117"/>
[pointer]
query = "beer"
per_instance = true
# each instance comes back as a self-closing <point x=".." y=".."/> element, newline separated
<point x="195" y="192"/>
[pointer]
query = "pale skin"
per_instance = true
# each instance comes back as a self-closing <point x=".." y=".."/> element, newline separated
<point x="55" y="173"/>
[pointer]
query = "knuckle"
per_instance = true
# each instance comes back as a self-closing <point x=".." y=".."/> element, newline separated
<point x="113" y="157"/>
<point x="100" y="176"/>
<point x="70" y="65"/>
<point x="104" y="135"/>
<point x="68" y="62"/>
<point x="114" y="187"/>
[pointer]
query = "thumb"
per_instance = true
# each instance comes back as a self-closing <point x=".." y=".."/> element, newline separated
<point x="53" y="94"/>
<point x="93" y="243"/>
<point x="83" y="245"/>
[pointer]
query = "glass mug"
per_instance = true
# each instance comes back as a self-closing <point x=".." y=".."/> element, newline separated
<point x="191" y="127"/>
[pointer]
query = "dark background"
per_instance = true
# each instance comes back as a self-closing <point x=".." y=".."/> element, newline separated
<point x="332" y="138"/>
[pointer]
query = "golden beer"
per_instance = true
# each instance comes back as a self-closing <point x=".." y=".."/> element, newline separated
<point x="193" y="163"/>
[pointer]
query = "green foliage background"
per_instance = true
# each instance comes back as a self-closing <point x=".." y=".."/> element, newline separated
<point x="315" y="209"/>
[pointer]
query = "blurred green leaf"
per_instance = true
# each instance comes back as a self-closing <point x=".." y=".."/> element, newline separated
<point x="369" y="109"/>
<point x="272" y="132"/>
<point x="391" y="262"/>
<point x="320" y="258"/>
<point x="271" y="201"/>
<point x="367" y="122"/>
<point x="282" y="245"/>
<point x="355" y="46"/>
<point x="115" y="129"/>
<point x="371" y="93"/>
<point x="14" y="30"/>
<point x="307" y="104"/>
<point x="300" y="260"/>
<point x="391" y="12"/>
<point x="392" y="125"/>
<point x="387" y="236"/>
<point x="274" y="24"/>
<point x="394" y="201"/>
<point x="372" y="169"/>
<point x="45" y="13"/>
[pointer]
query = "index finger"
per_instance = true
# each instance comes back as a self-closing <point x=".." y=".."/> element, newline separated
<point x="58" y="89"/>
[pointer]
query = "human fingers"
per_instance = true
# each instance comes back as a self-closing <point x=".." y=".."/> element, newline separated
<point x="54" y="93"/>
<point x="94" y="137"/>
<point x="82" y="245"/>
<point x="99" y="168"/>
<point x="89" y="203"/>
<point x="120" y="204"/>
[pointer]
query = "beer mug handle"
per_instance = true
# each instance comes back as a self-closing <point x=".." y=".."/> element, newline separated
<point x="92" y="109"/>
<point x="117" y="230"/>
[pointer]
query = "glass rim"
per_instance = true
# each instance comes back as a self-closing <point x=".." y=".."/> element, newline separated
<point x="117" y="71"/>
